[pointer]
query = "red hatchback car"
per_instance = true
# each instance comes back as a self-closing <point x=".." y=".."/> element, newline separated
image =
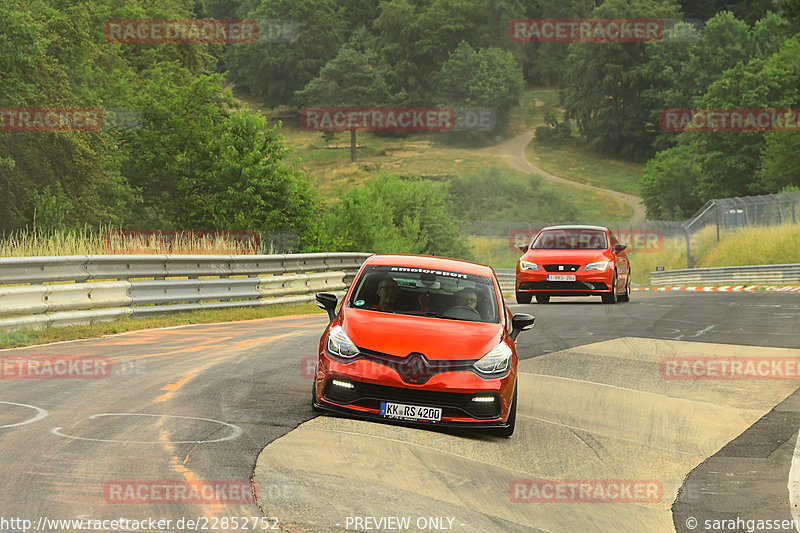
<point x="574" y="261"/>
<point x="421" y="340"/>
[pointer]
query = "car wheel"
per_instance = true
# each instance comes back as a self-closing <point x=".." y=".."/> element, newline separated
<point x="542" y="298"/>
<point x="626" y="297"/>
<point x="512" y="418"/>
<point x="611" y="298"/>
<point x="524" y="297"/>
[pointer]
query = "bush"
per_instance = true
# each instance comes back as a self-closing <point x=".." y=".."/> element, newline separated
<point x="555" y="133"/>
<point x="389" y="214"/>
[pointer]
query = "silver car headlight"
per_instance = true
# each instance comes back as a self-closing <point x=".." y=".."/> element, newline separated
<point x="339" y="343"/>
<point x="599" y="265"/>
<point x="527" y="265"/>
<point x="496" y="361"/>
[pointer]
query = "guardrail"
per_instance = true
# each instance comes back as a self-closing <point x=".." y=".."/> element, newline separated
<point x="507" y="278"/>
<point x="741" y="275"/>
<point x="40" y="291"/>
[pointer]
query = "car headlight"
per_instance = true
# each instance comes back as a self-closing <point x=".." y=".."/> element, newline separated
<point x="600" y="265"/>
<point x="527" y="265"/>
<point x="496" y="361"/>
<point x="339" y="343"/>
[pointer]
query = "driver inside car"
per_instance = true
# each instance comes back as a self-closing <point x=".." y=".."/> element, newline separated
<point x="387" y="294"/>
<point x="468" y="298"/>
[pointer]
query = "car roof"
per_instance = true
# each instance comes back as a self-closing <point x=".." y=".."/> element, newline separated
<point x="426" y="261"/>
<point x="577" y="226"/>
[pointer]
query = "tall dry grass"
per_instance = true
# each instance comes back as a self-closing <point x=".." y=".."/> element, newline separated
<point x="88" y="241"/>
<point x="29" y="243"/>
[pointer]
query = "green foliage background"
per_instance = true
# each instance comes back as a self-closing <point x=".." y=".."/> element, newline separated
<point x="198" y="159"/>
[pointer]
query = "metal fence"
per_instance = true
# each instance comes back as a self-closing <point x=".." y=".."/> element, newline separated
<point x="734" y="213"/>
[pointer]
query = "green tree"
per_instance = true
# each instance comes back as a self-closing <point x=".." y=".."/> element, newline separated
<point x="480" y="78"/>
<point x="274" y="71"/>
<point x="546" y="58"/>
<point x="706" y="165"/>
<point x="351" y="79"/>
<point x="241" y="181"/>
<point x="730" y="161"/>
<point x="604" y="87"/>
<point x="389" y="214"/>
<point x="668" y="183"/>
<point x="415" y="38"/>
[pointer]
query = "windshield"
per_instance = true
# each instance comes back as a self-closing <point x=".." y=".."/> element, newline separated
<point x="434" y="293"/>
<point x="570" y="239"/>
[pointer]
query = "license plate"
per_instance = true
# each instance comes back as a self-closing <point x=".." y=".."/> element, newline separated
<point x="410" y="412"/>
<point x="561" y="277"/>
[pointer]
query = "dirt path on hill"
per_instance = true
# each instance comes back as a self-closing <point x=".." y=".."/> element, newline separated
<point x="512" y="152"/>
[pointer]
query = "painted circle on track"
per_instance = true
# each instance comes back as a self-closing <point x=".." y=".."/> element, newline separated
<point x="237" y="431"/>
<point x="40" y="413"/>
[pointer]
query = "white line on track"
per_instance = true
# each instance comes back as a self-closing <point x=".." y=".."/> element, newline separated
<point x="236" y="430"/>
<point x="41" y="413"/>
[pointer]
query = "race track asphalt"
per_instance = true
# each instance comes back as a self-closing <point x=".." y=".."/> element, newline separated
<point x="225" y="403"/>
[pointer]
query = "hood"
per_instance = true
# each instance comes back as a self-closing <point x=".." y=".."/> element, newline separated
<point x="437" y="338"/>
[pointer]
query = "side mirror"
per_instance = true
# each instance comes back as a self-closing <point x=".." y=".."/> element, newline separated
<point x="327" y="301"/>
<point x="524" y="248"/>
<point x="619" y="247"/>
<point x="519" y="323"/>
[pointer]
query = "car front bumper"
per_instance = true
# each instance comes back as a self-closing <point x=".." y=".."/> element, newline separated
<point x="585" y="284"/>
<point x="373" y="383"/>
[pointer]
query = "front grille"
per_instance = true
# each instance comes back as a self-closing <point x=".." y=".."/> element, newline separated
<point x="415" y="367"/>
<point x="566" y="268"/>
<point x="452" y="403"/>
<point x="563" y="285"/>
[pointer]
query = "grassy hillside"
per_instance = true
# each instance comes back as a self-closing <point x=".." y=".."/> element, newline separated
<point x="579" y="164"/>
<point x="434" y="156"/>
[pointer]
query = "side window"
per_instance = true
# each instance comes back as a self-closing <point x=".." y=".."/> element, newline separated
<point x="614" y="240"/>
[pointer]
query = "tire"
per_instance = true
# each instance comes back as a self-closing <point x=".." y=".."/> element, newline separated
<point x="627" y="296"/>
<point x="524" y="297"/>
<point x="542" y="298"/>
<point x="512" y="419"/>
<point x="611" y="298"/>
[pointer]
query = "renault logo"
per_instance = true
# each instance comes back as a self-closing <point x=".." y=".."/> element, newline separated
<point x="415" y="369"/>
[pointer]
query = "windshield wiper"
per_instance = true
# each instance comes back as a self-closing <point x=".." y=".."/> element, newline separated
<point x="449" y="317"/>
